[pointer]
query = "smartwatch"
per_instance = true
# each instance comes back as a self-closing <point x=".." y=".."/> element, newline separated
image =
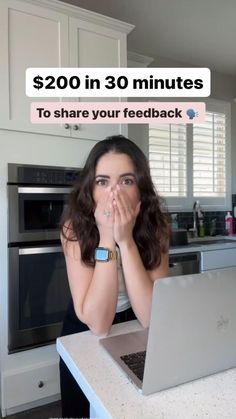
<point x="103" y="254"/>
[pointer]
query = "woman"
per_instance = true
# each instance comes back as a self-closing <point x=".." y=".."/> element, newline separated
<point x="115" y="238"/>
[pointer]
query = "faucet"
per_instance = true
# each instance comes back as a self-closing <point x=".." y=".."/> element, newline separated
<point x="195" y="205"/>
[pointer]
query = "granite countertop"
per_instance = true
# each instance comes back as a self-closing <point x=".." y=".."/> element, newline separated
<point x="197" y="244"/>
<point x="114" y="397"/>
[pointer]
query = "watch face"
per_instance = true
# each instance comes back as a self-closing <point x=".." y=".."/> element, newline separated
<point x="101" y="254"/>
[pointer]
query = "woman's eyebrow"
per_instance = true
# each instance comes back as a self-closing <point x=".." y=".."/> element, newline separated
<point x="127" y="174"/>
<point x="120" y="176"/>
<point x="104" y="176"/>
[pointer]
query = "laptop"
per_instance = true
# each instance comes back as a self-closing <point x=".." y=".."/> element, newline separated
<point x="192" y="332"/>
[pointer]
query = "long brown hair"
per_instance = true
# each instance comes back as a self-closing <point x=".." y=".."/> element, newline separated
<point x="151" y="231"/>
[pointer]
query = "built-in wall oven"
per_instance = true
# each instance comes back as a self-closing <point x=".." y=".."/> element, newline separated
<point x="36" y="197"/>
<point x="38" y="287"/>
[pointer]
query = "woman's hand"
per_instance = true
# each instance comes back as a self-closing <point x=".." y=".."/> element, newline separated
<point x="124" y="216"/>
<point x="104" y="215"/>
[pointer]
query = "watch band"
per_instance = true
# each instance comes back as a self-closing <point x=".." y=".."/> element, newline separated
<point x="112" y="255"/>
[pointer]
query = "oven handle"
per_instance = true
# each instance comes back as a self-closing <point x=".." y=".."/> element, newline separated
<point x="32" y="190"/>
<point x="40" y="250"/>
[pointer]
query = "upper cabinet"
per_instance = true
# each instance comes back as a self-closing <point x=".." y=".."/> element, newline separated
<point x="48" y="34"/>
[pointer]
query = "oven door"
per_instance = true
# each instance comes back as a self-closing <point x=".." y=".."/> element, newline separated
<point x="38" y="295"/>
<point x="34" y="212"/>
<point x="184" y="263"/>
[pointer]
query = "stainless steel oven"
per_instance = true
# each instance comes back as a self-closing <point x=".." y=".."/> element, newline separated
<point x="184" y="263"/>
<point x="38" y="295"/>
<point x="36" y="198"/>
<point x="35" y="212"/>
<point x="38" y="291"/>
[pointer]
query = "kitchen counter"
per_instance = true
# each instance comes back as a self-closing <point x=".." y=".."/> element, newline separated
<point x="113" y="396"/>
<point x="197" y="244"/>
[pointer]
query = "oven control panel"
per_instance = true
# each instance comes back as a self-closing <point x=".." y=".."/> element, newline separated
<point x="41" y="175"/>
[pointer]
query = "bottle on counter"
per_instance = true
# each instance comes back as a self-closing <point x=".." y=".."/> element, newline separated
<point x="229" y="223"/>
<point x="174" y="221"/>
<point x="201" y="230"/>
<point x="213" y="227"/>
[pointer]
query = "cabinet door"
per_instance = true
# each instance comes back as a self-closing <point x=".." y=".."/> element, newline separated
<point x="31" y="36"/>
<point x="218" y="259"/>
<point x="26" y="385"/>
<point x="92" y="45"/>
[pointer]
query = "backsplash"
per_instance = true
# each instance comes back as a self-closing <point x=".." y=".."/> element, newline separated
<point x="185" y="219"/>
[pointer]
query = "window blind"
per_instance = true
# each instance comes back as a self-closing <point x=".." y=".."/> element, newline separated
<point x="193" y="161"/>
<point x="168" y="158"/>
<point x="209" y="156"/>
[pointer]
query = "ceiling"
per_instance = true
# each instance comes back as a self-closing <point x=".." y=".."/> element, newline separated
<point x="192" y="32"/>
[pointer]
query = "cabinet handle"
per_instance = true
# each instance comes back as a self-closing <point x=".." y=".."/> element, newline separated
<point x="40" y="384"/>
<point x="75" y="127"/>
<point x="67" y="126"/>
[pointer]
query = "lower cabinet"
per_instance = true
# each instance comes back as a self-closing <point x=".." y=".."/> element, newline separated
<point x="217" y="259"/>
<point x="28" y="385"/>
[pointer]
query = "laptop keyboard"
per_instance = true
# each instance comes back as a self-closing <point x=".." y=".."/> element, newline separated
<point x="135" y="362"/>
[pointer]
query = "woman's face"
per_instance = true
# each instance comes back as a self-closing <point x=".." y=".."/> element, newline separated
<point x="116" y="169"/>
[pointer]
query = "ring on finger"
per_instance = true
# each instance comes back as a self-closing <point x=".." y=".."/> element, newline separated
<point x="107" y="213"/>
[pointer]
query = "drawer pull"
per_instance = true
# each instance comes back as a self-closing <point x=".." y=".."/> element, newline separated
<point x="40" y="384"/>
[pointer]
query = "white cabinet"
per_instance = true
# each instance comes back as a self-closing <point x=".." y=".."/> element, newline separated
<point x="94" y="45"/>
<point x="51" y="34"/>
<point x="217" y="259"/>
<point x="31" y="36"/>
<point x="27" y="385"/>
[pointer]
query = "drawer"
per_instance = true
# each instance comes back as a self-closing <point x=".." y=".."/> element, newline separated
<point x="27" y="385"/>
<point x="216" y="259"/>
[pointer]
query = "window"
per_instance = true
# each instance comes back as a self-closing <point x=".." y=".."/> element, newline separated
<point x="188" y="161"/>
<point x="209" y="156"/>
<point x="168" y="158"/>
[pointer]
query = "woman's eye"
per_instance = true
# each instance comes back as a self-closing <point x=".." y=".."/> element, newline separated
<point x="101" y="182"/>
<point x="127" y="181"/>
